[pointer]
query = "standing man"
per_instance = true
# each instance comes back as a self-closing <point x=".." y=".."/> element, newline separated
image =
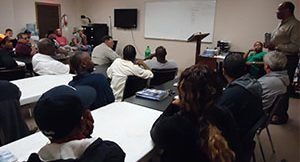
<point x="286" y="38"/>
<point x="103" y="53"/>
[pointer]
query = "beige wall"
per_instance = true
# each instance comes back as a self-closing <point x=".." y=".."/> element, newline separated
<point x="239" y="21"/>
<point x="17" y="13"/>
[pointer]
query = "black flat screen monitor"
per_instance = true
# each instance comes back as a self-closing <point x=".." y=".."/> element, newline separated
<point x="125" y="18"/>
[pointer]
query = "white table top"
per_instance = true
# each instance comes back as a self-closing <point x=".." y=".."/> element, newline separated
<point x="124" y="123"/>
<point x="33" y="88"/>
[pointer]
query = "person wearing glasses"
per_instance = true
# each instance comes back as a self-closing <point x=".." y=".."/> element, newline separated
<point x="24" y="47"/>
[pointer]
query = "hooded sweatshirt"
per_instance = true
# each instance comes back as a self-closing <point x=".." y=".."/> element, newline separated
<point x="243" y="98"/>
<point x="273" y="84"/>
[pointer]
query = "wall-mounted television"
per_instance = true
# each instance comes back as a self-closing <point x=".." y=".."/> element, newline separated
<point x="125" y="18"/>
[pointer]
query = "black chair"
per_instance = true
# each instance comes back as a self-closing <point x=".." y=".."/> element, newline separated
<point x="262" y="124"/>
<point x="279" y="102"/>
<point x="132" y="85"/>
<point x="162" y="75"/>
<point x="28" y="63"/>
<point x="13" y="74"/>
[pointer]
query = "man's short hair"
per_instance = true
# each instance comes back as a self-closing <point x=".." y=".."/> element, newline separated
<point x="105" y="38"/>
<point x="60" y="109"/>
<point x="8" y="30"/>
<point x="289" y="5"/>
<point x="27" y="32"/>
<point x="234" y="65"/>
<point x="276" y="60"/>
<point x="161" y="50"/>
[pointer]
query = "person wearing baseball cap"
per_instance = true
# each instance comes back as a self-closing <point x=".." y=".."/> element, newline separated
<point x="62" y="114"/>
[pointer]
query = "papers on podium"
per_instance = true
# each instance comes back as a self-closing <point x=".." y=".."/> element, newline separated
<point x="152" y="94"/>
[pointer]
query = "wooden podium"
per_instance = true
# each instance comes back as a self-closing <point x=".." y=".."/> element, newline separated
<point x="197" y="37"/>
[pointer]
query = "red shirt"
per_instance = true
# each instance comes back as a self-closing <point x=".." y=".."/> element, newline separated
<point x="62" y="41"/>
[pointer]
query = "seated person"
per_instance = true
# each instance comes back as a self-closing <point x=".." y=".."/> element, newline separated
<point x="82" y="64"/>
<point x="44" y="64"/>
<point x="242" y="95"/>
<point x="103" y="53"/>
<point x="6" y="60"/>
<point x="7" y="44"/>
<point x="274" y="83"/>
<point x="61" y="40"/>
<point x="254" y="58"/>
<point x="6" y="54"/>
<point x="120" y="69"/>
<point x="59" y="49"/>
<point x="184" y="131"/>
<point x="160" y="62"/>
<point x="31" y="41"/>
<point x="9" y="33"/>
<point x="24" y="48"/>
<point x="63" y="116"/>
<point x="80" y="40"/>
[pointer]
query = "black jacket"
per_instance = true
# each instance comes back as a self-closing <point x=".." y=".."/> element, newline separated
<point x="100" y="84"/>
<point x="176" y="134"/>
<point x="243" y="97"/>
<point x="6" y="60"/>
<point x="98" y="151"/>
<point x="12" y="124"/>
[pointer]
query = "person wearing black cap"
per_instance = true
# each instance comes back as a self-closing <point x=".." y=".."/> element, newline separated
<point x="62" y="115"/>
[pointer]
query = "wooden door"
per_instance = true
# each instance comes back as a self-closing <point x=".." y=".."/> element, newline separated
<point x="48" y="16"/>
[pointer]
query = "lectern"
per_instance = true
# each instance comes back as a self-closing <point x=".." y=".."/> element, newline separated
<point x="197" y="37"/>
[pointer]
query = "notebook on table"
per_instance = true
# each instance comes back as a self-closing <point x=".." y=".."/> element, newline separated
<point x="152" y="94"/>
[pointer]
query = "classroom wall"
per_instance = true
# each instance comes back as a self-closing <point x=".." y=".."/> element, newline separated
<point x="241" y="22"/>
<point x="15" y="14"/>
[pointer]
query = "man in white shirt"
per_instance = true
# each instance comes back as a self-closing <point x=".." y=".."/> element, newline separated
<point x="103" y="53"/>
<point x="120" y="69"/>
<point x="159" y="61"/>
<point x="44" y="64"/>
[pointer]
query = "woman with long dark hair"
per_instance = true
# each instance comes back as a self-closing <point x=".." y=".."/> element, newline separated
<point x="184" y="131"/>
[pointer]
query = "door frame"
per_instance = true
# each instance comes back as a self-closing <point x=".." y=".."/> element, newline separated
<point x="48" y="4"/>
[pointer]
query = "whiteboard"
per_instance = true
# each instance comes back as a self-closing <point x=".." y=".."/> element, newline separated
<point x="178" y="20"/>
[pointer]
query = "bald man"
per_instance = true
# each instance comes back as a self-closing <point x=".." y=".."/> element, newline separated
<point x="44" y="64"/>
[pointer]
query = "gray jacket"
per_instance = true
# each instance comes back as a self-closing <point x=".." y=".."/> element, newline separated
<point x="273" y="84"/>
<point x="250" y="84"/>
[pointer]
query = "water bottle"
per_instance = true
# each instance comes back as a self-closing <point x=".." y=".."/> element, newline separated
<point x="267" y="39"/>
<point x="147" y="52"/>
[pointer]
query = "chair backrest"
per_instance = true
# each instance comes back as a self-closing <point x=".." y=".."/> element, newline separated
<point x="265" y="120"/>
<point x="132" y="85"/>
<point x="279" y="102"/>
<point x="13" y="74"/>
<point x="162" y="75"/>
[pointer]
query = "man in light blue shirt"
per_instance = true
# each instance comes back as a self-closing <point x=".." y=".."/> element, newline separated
<point x="160" y="62"/>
